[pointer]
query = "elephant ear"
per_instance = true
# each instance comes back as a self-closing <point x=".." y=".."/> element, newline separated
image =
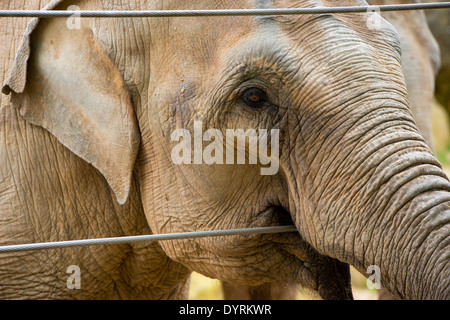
<point x="62" y="81"/>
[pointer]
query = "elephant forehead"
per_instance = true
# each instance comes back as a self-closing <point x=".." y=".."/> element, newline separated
<point x="225" y="40"/>
<point x="329" y="28"/>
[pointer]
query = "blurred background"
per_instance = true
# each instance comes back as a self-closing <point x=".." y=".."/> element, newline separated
<point x="439" y="22"/>
<point x="203" y="288"/>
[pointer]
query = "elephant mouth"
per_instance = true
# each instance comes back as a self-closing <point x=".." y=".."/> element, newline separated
<point x="327" y="275"/>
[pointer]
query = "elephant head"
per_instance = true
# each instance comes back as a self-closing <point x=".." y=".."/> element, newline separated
<point x="323" y="96"/>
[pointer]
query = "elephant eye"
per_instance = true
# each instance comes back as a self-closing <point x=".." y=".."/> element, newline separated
<point x="255" y="98"/>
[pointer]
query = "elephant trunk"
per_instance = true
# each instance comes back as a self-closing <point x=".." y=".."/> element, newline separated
<point x="416" y="246"/>
<point x="406" y="236"/>
<point x="382" y="200"/>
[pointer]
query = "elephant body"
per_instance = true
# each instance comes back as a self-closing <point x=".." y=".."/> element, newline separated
<point x="50" y="194"/>
<point x="86" y="144"/>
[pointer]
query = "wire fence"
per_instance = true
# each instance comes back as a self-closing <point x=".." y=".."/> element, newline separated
<point x="226" y="12"/>
<point x="190" y="13"/>
<point x="149" y="238"/>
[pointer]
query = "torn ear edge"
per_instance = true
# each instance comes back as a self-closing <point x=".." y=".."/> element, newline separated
<point x="17" y="79"/>
<point x="18" y="75"/>
<point x="100" y="127"/>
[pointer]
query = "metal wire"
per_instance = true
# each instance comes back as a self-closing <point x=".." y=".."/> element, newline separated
<point x="226" y="12"/>
<point x="151" y="238"/>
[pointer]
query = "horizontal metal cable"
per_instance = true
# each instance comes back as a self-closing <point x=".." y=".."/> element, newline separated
<point x="225" y="12"/>
<point x="151" y="237"/>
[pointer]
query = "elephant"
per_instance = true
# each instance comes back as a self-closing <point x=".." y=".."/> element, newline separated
<point x="92" y="116"/>
<point x="420" y="64"/>
<point x="421" y="61"/>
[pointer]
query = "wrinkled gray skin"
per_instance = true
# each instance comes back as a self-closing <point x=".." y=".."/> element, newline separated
<point x="420" y="63"/>
<point x="88" y="129"/>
